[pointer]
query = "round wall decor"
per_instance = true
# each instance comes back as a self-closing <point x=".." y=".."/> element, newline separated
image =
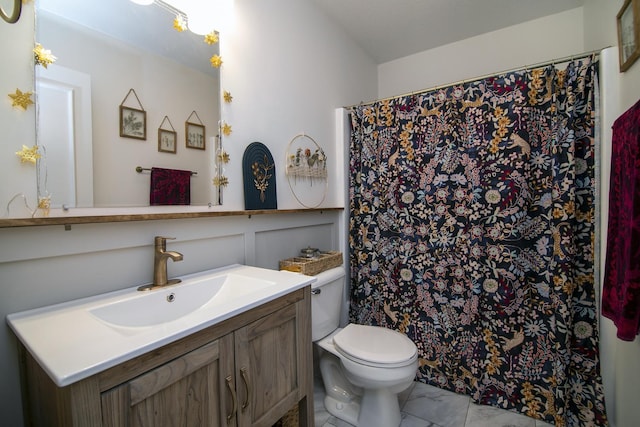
<point x="306" y="170"/>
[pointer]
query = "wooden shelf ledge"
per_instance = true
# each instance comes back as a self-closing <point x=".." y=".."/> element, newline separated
<point x="97" y="219"/>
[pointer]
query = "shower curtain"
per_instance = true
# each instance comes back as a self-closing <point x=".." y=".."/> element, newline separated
<point x="471" y="231"/>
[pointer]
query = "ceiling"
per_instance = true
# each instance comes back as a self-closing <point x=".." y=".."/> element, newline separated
<point x="392" y="29"/>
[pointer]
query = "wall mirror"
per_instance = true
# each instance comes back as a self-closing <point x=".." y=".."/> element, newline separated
<point x="104" y="49"/>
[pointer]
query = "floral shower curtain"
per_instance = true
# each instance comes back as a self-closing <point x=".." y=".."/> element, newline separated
<point x="471" y="231"/>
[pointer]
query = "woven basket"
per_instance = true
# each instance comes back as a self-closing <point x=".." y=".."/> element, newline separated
<point x="312" y="266"/>
<point x="290" y="419"/>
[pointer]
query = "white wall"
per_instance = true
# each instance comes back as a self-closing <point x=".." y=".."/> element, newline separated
<point x="287" y="68"/>
<point x="535" y="41"/>
<point x="285" y="64"/>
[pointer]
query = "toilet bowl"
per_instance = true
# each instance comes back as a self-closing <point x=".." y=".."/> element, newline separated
<point x="363" y="367"/>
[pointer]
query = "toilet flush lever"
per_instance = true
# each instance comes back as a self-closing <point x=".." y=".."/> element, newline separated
<point x="315" y="291"/>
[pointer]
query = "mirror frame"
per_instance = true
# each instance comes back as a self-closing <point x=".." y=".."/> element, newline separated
<point x="15" y="15"/>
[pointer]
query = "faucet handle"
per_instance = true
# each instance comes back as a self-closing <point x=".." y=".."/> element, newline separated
<point x="162" y="240"/>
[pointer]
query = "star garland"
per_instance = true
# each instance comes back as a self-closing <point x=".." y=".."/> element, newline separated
<point x="216" y="61"/>
<point x="221" y="181"/>
<point x="179" y="23"/>
<point x="44" y="204"/>
<point x="226" y="129"/>
<point x="227" y="97"/>
<point x="43" y="56"/>
<point x="224" y="157"/>
<point x="211" y="38"/>
<point x="28" y="154"/>
<point x="21" y="99"/>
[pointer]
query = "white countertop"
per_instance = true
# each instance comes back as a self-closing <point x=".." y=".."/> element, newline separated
<point x="71" y="344"/>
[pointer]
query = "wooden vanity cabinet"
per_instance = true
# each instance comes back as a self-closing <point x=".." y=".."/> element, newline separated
<point x="187" y="391"/>
<point x="247" y="371"/>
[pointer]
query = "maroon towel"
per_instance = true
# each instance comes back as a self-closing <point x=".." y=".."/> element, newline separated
<point x="621" y="289"/>
<point x="170" y="187"/>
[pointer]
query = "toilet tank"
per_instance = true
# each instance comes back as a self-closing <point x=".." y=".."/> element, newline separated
<point x="326" y="302"/>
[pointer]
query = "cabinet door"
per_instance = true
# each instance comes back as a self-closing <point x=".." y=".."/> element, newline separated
<point x="267" y="368"/>
<point x="192" y="390"/>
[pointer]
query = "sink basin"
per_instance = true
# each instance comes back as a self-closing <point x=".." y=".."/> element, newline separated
<point x="163" y="305"/>
<point x="76" y="339"/>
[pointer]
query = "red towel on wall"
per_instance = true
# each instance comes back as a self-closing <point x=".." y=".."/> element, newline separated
<point x="170" y="187"/>
<point x="621" y="289"/>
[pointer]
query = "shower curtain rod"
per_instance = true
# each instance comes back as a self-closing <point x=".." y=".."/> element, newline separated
<point x="537" y="65"/>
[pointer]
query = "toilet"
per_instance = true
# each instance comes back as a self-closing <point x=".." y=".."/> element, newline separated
<point x="363" y="367"/>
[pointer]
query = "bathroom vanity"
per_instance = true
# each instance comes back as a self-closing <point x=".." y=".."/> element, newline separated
<point x="246" y="368"/>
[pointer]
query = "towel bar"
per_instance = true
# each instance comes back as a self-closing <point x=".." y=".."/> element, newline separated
<point x="140" y="169"/>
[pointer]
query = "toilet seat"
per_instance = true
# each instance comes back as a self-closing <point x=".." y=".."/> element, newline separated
<point x="375" y="346"/>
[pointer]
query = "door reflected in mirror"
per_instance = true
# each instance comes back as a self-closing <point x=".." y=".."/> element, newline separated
<point x="64" y="133"/>
<point x="104" y="49"/>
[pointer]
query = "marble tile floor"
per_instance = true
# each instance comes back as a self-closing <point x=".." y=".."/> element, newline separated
<point x="423" y="405"/>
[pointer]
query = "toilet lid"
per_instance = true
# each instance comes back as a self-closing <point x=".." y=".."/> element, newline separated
<point x="374" y="344"/>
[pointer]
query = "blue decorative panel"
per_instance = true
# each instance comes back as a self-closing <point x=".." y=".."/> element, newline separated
<point x="259" y="175"/>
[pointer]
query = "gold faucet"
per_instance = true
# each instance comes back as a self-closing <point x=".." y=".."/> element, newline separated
<point x="161" y="255"/>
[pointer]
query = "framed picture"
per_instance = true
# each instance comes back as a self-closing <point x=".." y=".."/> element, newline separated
<point x="194" y="134"/>
<point x="133" y="123"/>
<point x="167" y="141"/>
<point x="628" y="20"/>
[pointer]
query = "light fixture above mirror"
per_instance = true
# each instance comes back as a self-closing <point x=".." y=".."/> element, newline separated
<point x="203" y="17"/>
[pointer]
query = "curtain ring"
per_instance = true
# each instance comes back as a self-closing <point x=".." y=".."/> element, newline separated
<point x="17" y="10"/>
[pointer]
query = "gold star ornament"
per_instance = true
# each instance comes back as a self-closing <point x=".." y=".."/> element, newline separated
<point x="44" y="204"/>
<point x="216" y="61"/>
<point x="179" y="23"/>
<point x="43" y="56"/>
<point x="227" y="97"/>
<point x="21" y="99"/>
<point x="226" y="129"/>
<point x="224" y="157"/>
<point x="211" y="38"/>
<point x="220" y="181"/>
<point x="28" y="154"/>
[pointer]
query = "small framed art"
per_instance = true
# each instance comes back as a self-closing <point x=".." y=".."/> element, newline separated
<point x="167" y="141"/>
<point x="133" y="123"/>
<point x="628" y="20"/>
<point x="194" y="134"/>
